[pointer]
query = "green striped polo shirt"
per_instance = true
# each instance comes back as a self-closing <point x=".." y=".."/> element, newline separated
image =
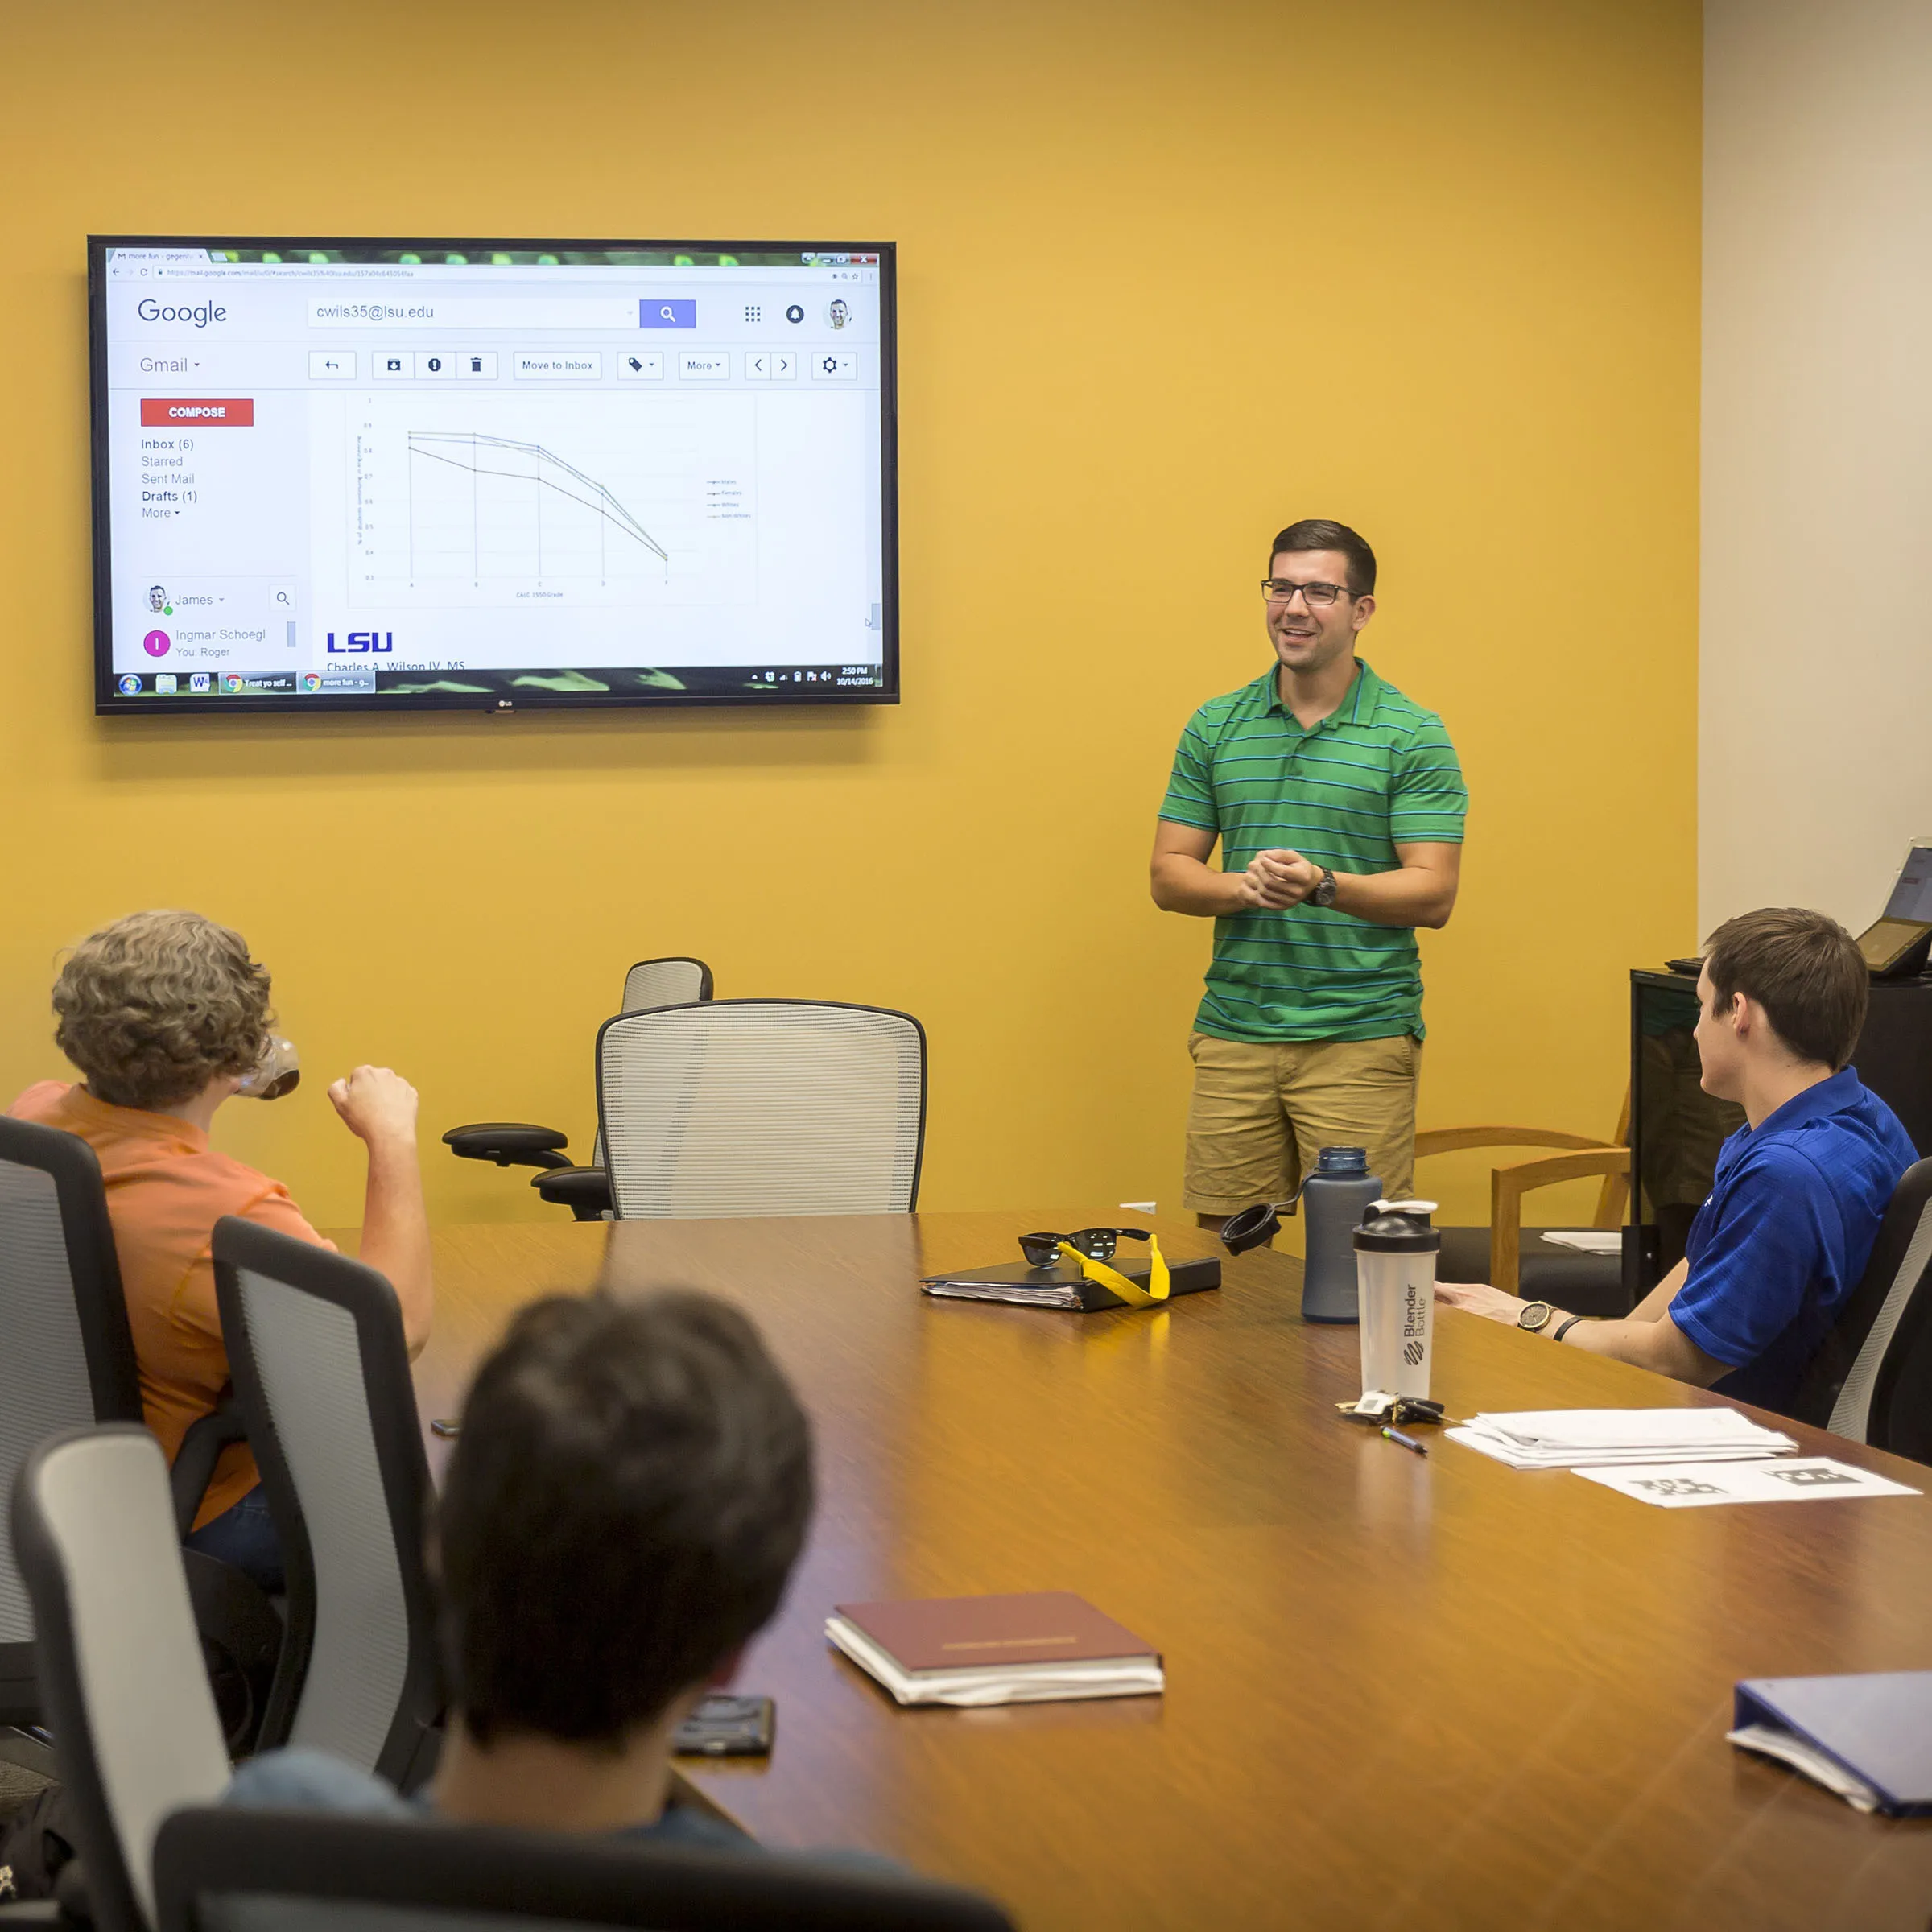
<point x="1377" y="769"/>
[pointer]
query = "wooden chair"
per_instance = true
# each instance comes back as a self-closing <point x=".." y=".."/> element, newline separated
<point x="1610" y="1160"/>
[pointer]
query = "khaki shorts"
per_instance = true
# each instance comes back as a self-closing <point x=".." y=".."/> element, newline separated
<point x="1263" y="1110"/>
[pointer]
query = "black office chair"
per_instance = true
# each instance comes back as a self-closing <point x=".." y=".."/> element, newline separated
<point x="1872" y="1380"/>
<point x="67" y="1361"/>
<point x="315" y="1344"/>
<point x="1524" y="1261"/>
<point x="239" y="1871"/>
<point x="673" y="981"/>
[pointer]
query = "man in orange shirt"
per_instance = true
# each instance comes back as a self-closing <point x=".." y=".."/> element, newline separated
<point x="166" y="1015"/>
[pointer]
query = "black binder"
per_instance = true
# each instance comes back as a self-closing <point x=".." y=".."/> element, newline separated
<point x="1063" y="1286"/>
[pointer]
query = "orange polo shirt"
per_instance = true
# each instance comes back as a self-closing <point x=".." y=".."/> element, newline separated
<point x="165" y="1189"/>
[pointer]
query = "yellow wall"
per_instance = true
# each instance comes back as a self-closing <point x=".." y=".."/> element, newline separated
<point x="1172" y="275"/>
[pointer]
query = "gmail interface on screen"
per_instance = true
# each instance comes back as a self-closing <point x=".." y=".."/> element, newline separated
<point x="492" y="475"/>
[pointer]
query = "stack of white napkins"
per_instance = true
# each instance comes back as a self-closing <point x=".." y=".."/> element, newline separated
<point x="1576" y="1438"/>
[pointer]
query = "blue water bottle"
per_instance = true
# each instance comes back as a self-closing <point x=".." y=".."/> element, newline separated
<point x="1333" y="1199"/>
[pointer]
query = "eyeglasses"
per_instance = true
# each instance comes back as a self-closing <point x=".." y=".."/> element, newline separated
<point x="1088" y="1250"/>
<point x="1096" y="1243"/>
<point x="1279" y="590"/>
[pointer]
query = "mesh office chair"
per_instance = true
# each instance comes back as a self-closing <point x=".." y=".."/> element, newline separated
<point x="1872" y="1380"/>
<point x="236" y="1871"/>
<point x="584" y="1191"/>
<point x="64" y="1366"/>
<point x="321" y="1371"/>
<point x="67" y="1360"/>
<point x="762" y="1107"/>
<point x="136" y="1734"/>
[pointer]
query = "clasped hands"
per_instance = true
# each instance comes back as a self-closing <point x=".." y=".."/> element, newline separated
<point x="1274" y="881"/>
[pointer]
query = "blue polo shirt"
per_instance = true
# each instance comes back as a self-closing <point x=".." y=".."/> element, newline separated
<point x="1785" y="1233"/>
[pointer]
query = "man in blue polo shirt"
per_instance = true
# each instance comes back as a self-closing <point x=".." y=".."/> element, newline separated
<point x="1800" y="1189"/>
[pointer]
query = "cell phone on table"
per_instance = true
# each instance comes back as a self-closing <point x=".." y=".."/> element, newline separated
<point x="729" y="1726"/>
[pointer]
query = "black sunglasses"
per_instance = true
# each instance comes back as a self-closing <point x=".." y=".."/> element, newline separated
<point x="1096" y="1243"/>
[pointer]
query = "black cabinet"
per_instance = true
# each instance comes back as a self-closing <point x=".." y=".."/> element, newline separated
<point x="1676" y="1128"/>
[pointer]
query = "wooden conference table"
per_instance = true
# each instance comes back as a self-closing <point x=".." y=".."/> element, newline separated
<point x="1400" y="1692"/>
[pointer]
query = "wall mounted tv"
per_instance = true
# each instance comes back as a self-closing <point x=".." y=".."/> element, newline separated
<point x="458" y="475"/>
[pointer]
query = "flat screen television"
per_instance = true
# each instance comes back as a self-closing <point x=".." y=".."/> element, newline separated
<point x="396" y="476"/>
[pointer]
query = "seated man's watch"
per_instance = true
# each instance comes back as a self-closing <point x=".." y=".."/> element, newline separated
<point x="1322" y="892"/>
<point x="1535" y="1316"/>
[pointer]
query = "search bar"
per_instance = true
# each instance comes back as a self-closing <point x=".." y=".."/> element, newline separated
<point x="473" y="311"/>
<point x="655" y="311"/>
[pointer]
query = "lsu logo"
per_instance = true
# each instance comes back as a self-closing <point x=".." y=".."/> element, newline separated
<point x="361" y="641"/>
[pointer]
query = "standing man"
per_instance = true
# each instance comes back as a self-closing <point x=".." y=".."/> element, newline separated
<point x="1339" y="807"/>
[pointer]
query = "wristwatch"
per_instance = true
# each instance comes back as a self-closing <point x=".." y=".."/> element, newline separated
<point x="1324" y="892"/>
<point x="1535" y="1317"/>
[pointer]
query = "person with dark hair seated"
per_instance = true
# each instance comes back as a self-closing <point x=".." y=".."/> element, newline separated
<point x="1799" y="1190"/>
<point x="631" y="1485"/>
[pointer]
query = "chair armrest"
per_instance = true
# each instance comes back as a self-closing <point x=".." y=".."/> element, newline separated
<point x="509" y="1143"/>
<point x="584" y="1191"/>
<point x="1508" y="1185"/>
<point x="1454" y="1140"/>
<point x="195" y="1460"/>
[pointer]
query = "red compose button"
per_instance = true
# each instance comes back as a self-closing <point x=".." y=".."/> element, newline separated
<point x="179" y="412"/>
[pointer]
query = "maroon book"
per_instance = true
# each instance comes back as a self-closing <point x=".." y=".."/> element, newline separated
<point x="1002" y="1633"/>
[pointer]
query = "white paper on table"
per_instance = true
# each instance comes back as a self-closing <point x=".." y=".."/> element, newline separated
<point x="1695" y="1485"/>
<point x="1720" y="1427"/>
<point x="1563" y="1439"/>
<point x="1515" y="1456"/>
<point x="1802" y="1754"/>
<point x="1585" y="1241"/>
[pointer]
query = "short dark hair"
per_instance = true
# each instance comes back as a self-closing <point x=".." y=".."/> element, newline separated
<point x="1804" y="969"/>
<point x="1319" y="533"/>
<point x="631" y="1485"/>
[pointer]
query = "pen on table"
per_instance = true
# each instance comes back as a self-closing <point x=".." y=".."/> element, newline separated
<point x="1408" y="1442"/>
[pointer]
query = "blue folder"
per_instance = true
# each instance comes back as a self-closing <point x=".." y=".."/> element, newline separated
<point x="1877" y="1726"/>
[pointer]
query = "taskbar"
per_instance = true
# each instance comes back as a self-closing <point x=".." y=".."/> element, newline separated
<point x="536" y="685"/>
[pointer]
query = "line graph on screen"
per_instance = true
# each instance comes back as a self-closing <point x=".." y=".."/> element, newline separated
<point x="488" y="458"/>
<point x="509" y="500"/>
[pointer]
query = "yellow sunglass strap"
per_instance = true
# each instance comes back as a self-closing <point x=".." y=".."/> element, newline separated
<point x="1132" y="1293"/>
